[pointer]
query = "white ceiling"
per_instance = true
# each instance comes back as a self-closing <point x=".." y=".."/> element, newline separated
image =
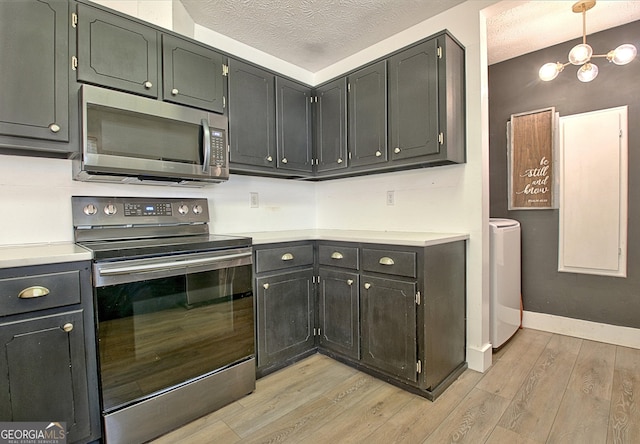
<point x="314" y="34"/>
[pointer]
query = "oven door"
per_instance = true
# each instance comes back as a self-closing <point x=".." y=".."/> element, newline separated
<point x="166" y="321"/>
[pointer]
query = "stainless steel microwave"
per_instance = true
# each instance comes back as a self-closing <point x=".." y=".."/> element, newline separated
<point x="132" y="139"/>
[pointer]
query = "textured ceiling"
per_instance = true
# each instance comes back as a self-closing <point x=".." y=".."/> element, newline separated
<point x="314" y="34"/>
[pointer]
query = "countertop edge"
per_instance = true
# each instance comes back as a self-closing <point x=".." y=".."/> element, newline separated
<point x="12" y="256"/>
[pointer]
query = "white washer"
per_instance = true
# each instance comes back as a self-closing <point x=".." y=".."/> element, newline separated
<point x="504" y="281"/>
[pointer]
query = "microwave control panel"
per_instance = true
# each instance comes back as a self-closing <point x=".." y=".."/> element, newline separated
<point x="218" y="147"/>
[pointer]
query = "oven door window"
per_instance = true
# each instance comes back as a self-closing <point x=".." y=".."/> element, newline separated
<point x="157" y="334"/>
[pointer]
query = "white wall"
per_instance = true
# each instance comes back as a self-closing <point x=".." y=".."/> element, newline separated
<point x="451" y="199"/>
<point x="36" y="201"/>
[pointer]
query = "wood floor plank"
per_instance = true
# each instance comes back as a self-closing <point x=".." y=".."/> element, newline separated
<point x="473" y="421"/>
<point x="584" y="411"/>
<point x="624" y="420"/>
<point x="417" y="419"/>
<point x="506" y="376"/>
<point x="533" y="408"/>
<point x="561" y="399"/>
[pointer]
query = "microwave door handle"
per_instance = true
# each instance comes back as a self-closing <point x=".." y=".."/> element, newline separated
<point x="206" y="145"/>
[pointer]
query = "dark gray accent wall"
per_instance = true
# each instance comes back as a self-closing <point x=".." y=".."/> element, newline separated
<point x="514" y="87"/>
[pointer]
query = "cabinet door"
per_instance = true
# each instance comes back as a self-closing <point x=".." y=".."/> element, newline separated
<point x="368" y="115"/>
<point x="116" y="52"/>
<point x="413" y="102"/>
<point x="388" y="334"/>
<point x="34" y="50"/>
<point x="192" y="74"/>
<point x="252" y="116"/>
<point x="45" y="372"/>
<point x="293" y="122"/>
<point x="339" y="312"/>
<point x="331" y="126"/>
<point x="285" y="318"/>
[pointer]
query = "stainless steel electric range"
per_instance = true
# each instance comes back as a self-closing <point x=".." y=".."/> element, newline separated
<point x="174" y="312"/>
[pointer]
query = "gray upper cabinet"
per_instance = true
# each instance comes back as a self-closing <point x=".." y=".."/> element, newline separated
<point x="413" y="104"/>
<point x="117" y="52"/>
<point x="192" y="74"/>
<point x="252" y="117"/>
<point x="331" y="126"/>
<point x="294" y="126"/>
<point x="368" y="115"/>
<point x="34" y="100"/>
<point x="426" y="103"/>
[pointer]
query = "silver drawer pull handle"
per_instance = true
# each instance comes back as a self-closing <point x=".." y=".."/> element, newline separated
<point x="349" y="281"/>
<point x="33" y="292"/>
<point x="67" y="327"/>
<point x="367" y="285"/>
<point x="386" y="261"/>
<point x="287" y="257"/>
<point x="265" y="286"/>
<point x="336" y="255"/>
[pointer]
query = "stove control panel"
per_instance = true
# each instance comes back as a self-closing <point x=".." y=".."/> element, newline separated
<point x="116" y="211"/>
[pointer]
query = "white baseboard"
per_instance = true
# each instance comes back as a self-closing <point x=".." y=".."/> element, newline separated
<point x="594" y="331"/>
<point x="479" y="359"/>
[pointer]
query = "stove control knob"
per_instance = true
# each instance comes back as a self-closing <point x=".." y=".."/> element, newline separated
<point x="183" y="209"/>
<point x="197" y="209"/>
<point x="90" y="209"/>
<point x="110" y="210"/>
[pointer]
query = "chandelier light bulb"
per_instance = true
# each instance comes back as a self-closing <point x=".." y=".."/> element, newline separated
<point x="580" y="54"/>
<point x="550" y="71"/>
<point x="587" y="72"/>
<point x="623" y="54"/>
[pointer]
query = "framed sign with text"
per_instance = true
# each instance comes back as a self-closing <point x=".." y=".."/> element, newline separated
<point x="531" y="160"/>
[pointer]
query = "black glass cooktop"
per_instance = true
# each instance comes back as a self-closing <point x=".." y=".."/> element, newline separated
<point x="132" y="248"/>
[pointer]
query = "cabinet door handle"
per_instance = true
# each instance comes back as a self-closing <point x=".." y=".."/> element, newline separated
<point x="336" y="255"/>
<point x="386" y="261"/>
<point x="396" y="150"/>
<point x="367" y="285"/>
<point x="54" y="127"/>
<point x="148" y="84"/>
<point x="284" y="160"/>
<point x="339" y="160"/>
<point x="378" y="154"/>
<point x="174" y="91"/>
<point x="67" y="327"/>
<point x="33" y="292"/>
<point x="265" y="286"/>
<point x="349" y="282"/>
<point x="287" y="257"/>
<point x="269" y="159"/>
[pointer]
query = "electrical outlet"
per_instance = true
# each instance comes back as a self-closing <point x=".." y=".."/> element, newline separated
<point x="391" y="197"/>
<point x="255" y="203"/>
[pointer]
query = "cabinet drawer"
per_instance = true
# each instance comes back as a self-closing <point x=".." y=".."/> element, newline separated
<point x="399" y="263"/>
<point x="283" y="257"/>
<point x="38" y="292"/>
<point x="338" y="256"/>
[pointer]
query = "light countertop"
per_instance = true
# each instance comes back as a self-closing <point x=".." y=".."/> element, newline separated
<point x="39" y="254"/>
<point x="403" y="238"/>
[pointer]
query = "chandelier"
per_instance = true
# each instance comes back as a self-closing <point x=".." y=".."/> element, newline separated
<point x="581" y="55"/>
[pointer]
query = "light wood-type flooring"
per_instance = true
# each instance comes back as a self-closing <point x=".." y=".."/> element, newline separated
<point x="542" y="388"/>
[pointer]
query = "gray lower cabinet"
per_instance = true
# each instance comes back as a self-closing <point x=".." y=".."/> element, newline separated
<point x="34" y="49"/>
<point x="48" y="341"/>
<point x="397" y="312"/>
<point x="285" y="304"/>
<point x="339" y="311"/>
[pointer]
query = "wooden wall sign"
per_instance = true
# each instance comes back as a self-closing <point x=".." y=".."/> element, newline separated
<point x="531" y="158"/>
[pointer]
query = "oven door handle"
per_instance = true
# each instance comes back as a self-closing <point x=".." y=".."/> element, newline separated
<point x="170" y="265"/>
